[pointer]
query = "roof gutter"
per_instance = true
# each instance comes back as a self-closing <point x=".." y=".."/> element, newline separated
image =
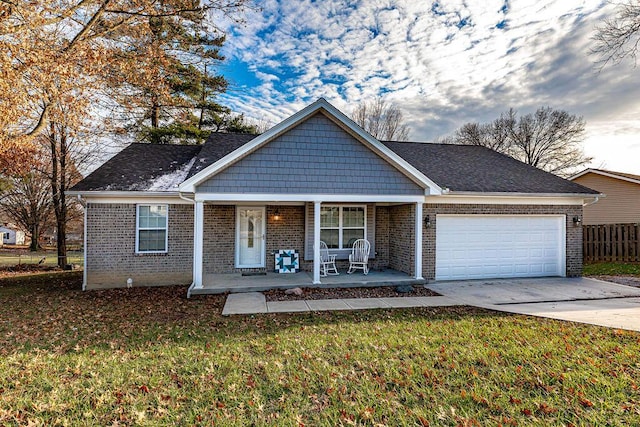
<point x="192" y="200"/>
<point x="505" y="194"/>
<point x="595" y="200"/>
<point x="101" y="193"/>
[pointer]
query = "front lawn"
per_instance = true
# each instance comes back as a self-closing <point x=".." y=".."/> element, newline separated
<point x="152" y="357"/>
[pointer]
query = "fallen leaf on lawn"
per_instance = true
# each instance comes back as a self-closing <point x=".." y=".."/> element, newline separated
<point x="586" y="402"/>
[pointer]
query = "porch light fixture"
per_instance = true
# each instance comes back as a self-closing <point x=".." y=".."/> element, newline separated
<point x="276" y="215"/>
<point x="427" y="221"/>
<point x="577" y="220"/>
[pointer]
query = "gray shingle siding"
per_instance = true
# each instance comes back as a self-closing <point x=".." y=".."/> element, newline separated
<point x="316" y="157"/>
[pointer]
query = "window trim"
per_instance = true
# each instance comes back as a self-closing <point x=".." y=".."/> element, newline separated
<point x="138" y="229"/>
<point x="340" y="223"/>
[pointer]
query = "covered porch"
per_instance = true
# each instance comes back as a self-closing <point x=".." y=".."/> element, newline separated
<point x="296" y="224"/>
<point x="236" y="282"/>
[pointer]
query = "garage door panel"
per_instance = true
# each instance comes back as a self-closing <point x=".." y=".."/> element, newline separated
<point x="492" y="246"/>
<point x="537" y="253"/>
<point x="550" y="268"/>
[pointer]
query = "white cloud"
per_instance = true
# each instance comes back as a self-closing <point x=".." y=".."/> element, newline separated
<point x="443" y="68"/>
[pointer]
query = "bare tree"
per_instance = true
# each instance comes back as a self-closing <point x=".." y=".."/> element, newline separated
<point x="27" y="202"/>
<point x="61" y="172"/>
<point x="382" y="120"/>
<point x="618" y="37"/>
<point x="492" y="135"/>
<point x="547" y="139"/>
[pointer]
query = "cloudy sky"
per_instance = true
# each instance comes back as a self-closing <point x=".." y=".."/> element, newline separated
<point x="444" y="63"/>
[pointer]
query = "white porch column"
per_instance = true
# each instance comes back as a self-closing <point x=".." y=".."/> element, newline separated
<point x="316" y="243"/>
<point x="418" y="241"/>
<point x="198" y="229"/>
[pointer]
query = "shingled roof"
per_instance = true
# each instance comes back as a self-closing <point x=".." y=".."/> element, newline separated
<point x="143" y="167"/>
<point x="217" y="146"/>
<point x="151" y="167"/>
<point x="479" y="169"/>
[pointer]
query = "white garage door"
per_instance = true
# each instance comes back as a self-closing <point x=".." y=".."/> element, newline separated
<point x="499" y="246"/>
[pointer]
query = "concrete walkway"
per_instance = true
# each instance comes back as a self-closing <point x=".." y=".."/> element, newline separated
<point x="255" y="302"/>
<point x="574" y="299"/>
<point x="580" y="300"/>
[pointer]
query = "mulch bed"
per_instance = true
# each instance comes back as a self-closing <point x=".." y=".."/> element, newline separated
<point x="622" y="280"/>
<point x="323" y="293"/>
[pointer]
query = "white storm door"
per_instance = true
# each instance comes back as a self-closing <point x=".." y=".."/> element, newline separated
<point x="250" y="241"/>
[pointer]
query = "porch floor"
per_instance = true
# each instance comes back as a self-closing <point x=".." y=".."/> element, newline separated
<point x="235" y="282"/>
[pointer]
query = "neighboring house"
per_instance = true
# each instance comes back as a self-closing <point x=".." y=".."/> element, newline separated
<point x="11" y="235"/>
<point x="621" y="201"/>
<point x="168" y="214"/>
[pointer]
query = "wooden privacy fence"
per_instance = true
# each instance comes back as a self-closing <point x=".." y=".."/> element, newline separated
<point x="611" y="242"/>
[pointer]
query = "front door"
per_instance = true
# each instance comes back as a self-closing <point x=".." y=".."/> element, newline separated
<point x="250" y="242"/>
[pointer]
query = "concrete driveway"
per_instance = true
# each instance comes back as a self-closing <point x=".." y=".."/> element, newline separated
<point x="575" y="299"/>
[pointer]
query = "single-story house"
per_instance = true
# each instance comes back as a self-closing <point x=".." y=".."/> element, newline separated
<point x="11" y="235"/>
<point x="621" y="201"/>
<point x="214" y="215"/>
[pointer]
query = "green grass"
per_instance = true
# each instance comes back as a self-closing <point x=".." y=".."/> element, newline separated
<point x="12" y="258"/>
<point x="152" y="357"/>
<point x="612" y="269"/>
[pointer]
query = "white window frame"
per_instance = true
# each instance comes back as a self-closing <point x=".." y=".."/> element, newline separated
<point x="341" y="226"/>
<point x="6" y="235"/>
<point x="138" y="229"/>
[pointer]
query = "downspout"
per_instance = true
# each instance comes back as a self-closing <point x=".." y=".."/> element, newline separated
<point x="193" y="283"/>
<point x="84" y="243"/>
<point x="595" y="200"/>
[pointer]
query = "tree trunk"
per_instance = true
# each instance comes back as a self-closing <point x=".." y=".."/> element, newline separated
<point x="61" y="212"/>
<point x="35" y="235"/>
<point x="155" y="115"/>
<point x="58" y="188"/>
<point x="61" y="225"/>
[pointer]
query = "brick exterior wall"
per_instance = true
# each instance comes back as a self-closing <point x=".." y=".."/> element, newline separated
<point x="401" y="238"/>
<point x="111" y="243"/>
<point x="220" y="236"/>
<point x="573" y="233"/>
<point x="111" y="257"/>
<point x="285" y="233"/>
<point x="219" y="239"/>
<point x="381" y="260"/>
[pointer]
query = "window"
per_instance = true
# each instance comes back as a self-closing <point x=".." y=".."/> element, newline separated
<point x="340" y="226"/>
<point x="6" y="236"/>
<point x="151" y="222"/>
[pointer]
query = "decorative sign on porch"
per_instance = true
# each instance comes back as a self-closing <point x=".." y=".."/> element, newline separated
<point x="287" y="261"/>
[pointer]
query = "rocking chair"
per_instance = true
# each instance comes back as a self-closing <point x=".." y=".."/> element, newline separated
<point x="359" y="258"/>
<point x="327" y="261"/>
